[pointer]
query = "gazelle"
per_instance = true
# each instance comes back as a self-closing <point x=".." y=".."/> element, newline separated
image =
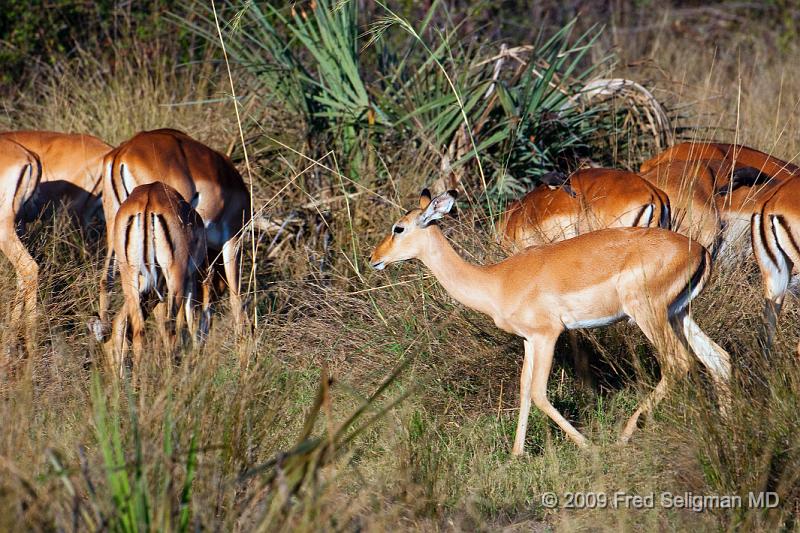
<point x="591" y="280"/>
<point x="203" y="177"/>
<point x="776" y="245"/>
<point x="587" y="200"/>
<point x="72" y="171"/>
<point x="159" y="239"/>
<point x="21" y="172"/>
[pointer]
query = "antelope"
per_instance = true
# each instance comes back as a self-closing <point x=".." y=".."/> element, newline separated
<point x="159" y="239"/>
<point x="776" y="241"/>
<point x="202" y="176"/>
<point x="563" y="207"/>
<point x="21" y="171"/>
<point x="691" y="190"/>
<point x="72" y="172"/>
<point x="590" y="280"/>
<point x="733" y="178"/>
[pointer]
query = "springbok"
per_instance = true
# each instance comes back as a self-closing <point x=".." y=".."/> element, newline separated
<point x="203" y="177"/>
<point x="159" y="239"/>
<point x="591" y="280"/>
<point x="72" y="171"/>
<point x="21" y="171"/>
<point x="775" y="232"/>
<point x="590" y="199"/>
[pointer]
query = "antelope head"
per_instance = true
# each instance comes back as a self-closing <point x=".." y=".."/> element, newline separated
<point x="409" y="234"/>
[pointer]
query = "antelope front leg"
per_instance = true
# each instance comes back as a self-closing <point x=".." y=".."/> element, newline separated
<point x="525" y="379"/>
<point x="542" y="347"/>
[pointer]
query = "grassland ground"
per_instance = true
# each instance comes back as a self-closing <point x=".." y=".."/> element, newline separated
<point x="440" y="459"/>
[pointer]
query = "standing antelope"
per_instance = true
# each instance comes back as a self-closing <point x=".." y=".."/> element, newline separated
<point x="589" y="199"/>
<point x="72" y="171"/>
<point x="775" y="233"/>
<point x="20" y="171"/>
<point x="203" y="177"/>
<point x="733" y="178"/>
<point x="647" y="274"/>
<point x="691" y="189"/>
<point x="563" y="207"/>
<point x="159" y="239"/>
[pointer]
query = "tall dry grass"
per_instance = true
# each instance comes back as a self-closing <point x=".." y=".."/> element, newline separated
<point x="440" y="461"/>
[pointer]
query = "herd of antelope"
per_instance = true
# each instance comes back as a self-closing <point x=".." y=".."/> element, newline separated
<point x="603" y="245"/>
<point x="173" y="210"/>
<point x="586" y="250"/>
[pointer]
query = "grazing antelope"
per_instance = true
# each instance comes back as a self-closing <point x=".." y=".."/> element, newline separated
<point x="159" y="239"/>
<point x="563" y="207"/>
<point x="20" y="173"/>
<point x="732" y="177"/>
<point x="775" y="232"/>
<point x="690" y="186"/>
<point x="72" y="171"/>
<point x="591" y="280"/>
<point x="203" y="177"/>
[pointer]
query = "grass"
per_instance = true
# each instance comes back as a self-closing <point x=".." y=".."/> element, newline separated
<point x="209" y="443"/>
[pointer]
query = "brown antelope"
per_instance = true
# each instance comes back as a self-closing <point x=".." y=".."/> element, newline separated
<point x="691" y="189"/>
<point x="159" y="239"/>
<point x="203" y="177"/>
<point x="72" y="171"/>
<point x="733" y="178"/>
<point x="563" y="207"/>
<point x="591" y="280"/>
<point x="776" y="245"/>
<point x="21" y="172"/>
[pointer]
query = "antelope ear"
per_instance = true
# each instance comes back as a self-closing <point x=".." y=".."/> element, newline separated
<point x="437" y="208"/>
<point x="424" y="199"/>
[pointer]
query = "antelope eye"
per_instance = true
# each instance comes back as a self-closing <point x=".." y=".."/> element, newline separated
<point x="398" y="229"/>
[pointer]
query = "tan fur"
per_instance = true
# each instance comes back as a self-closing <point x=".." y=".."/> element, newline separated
<point x="604" y="198"/>
<point x="692" y="172"/>
<point x="20" y="172"/>
<point x="202" y="176"/>
<point x="690" y="186"/>
<point x="775" y="233"/>
<point x="72" y="171"/>
<point x="592" y="279"/>
<point x="157" y="237"/>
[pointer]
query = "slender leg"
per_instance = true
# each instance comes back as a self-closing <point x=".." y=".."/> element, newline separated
<point x="27" y="286"/>
<point x="674" y="360"/>
<point x="543" y="346"/>
<point x="525" y="381"/>
<point x="205" y="315"/>
<point x="580" y="361"/>
<point x="713" y="357"/>
<point x="117" y="345"/>
<point x="230" y="257"/>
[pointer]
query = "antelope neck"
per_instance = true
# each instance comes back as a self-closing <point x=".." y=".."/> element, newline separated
<point x="472" y="285"/>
